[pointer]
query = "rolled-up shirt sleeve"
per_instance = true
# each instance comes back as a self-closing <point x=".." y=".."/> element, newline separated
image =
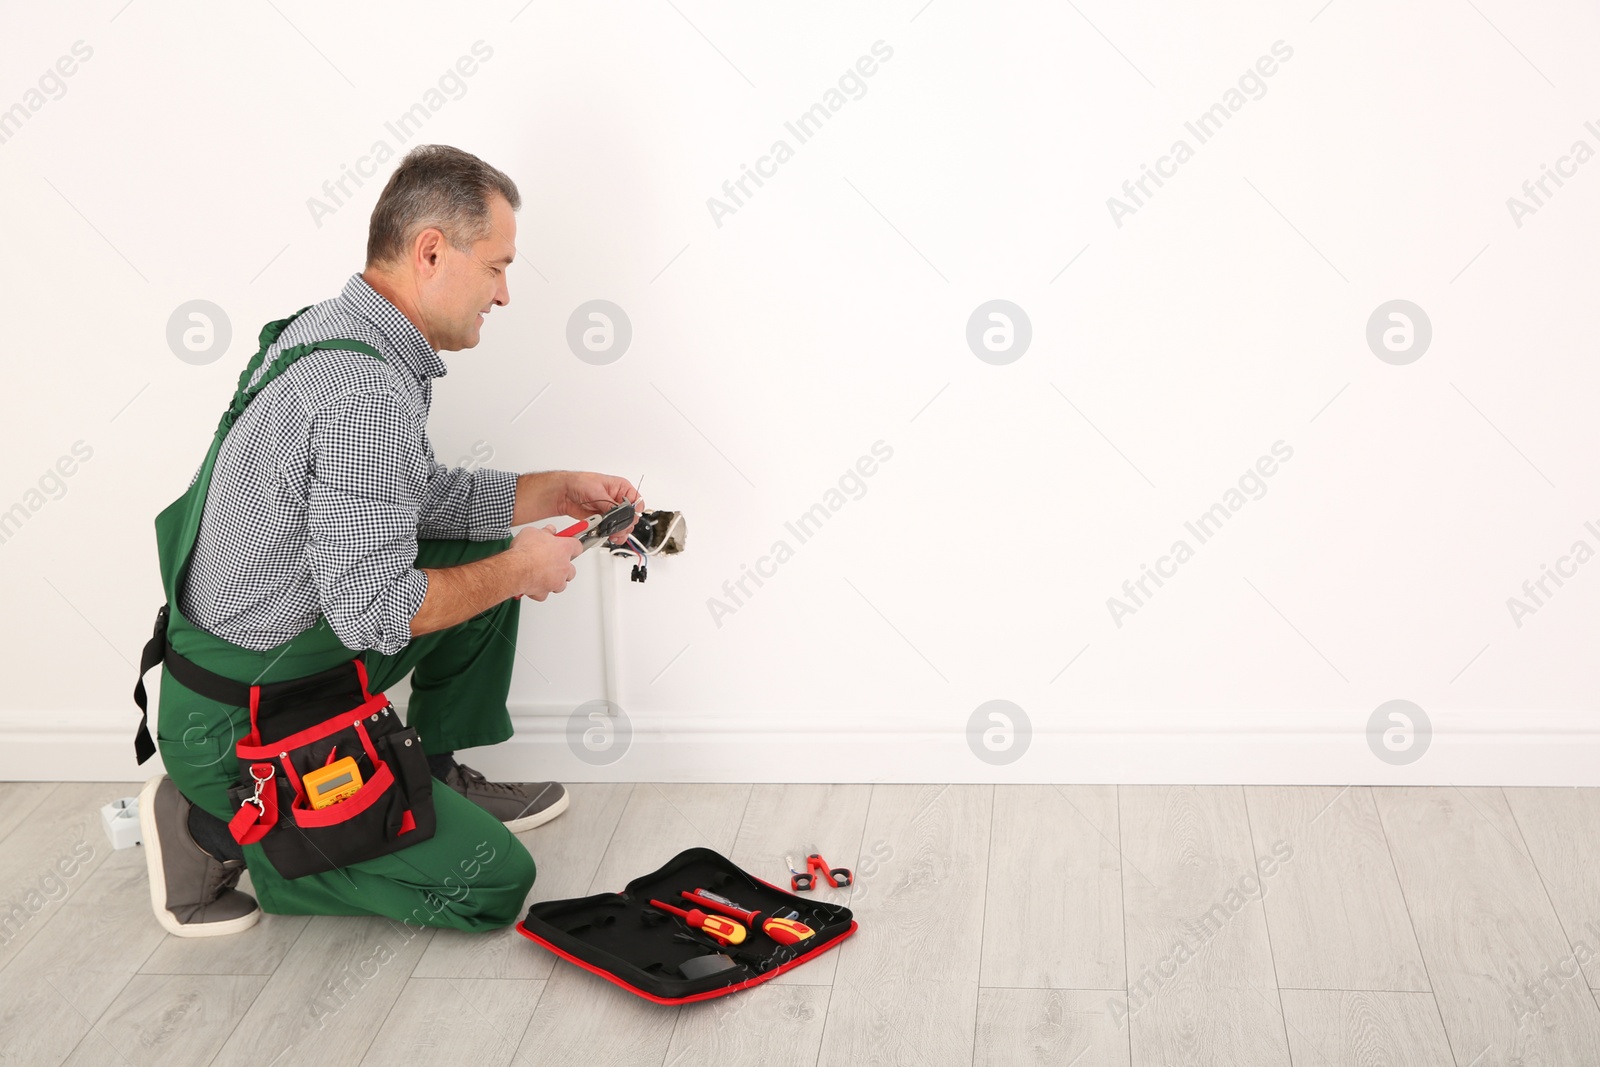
<point x="466" y="504"/>
<point x="369" y="472"/>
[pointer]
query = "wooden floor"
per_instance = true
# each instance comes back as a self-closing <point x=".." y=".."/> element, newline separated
<point x="1089" y="926"/>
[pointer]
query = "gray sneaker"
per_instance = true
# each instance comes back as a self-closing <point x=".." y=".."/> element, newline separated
<point x="191" y="891"/>
<point x="520" y="805"/>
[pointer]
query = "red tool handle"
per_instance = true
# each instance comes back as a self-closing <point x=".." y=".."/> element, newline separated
<point x="838" y="877"/>
<point x="723" y="929"/>
<point x="726" y="907"/>
<point x="679" y="912"/>
<point x="571" y="531"/>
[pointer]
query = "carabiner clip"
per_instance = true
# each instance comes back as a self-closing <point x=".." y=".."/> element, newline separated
<point x="261" y="782"/>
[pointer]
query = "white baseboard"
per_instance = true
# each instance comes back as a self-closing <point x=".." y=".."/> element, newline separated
<point x="1479" y="748"/>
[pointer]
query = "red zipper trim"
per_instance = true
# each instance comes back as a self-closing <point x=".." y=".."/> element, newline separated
<point x="724" y="991"/>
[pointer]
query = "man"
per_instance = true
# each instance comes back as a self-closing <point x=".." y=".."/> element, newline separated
<point x="324" y="530"/>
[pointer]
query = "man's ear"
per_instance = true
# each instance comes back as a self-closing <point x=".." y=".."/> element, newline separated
<point x="428" y="246"/>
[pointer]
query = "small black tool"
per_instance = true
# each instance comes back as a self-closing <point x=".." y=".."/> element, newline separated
<point x="753" y="960"/>
<point x="709" y="964"/>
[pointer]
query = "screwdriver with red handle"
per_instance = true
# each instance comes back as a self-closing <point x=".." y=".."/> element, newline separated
<point x="783" y="930"/>
<point x="720" y="927"/>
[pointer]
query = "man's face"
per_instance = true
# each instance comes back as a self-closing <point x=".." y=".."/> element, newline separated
<point x="460" y="288"/>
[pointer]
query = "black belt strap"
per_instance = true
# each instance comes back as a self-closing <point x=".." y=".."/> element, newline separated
<point x="308" y="699"/>
<point x="189" y="674"/>
<point x="155" y="651"/>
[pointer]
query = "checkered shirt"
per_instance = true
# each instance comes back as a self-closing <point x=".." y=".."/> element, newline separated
<point x="324" y="484"/>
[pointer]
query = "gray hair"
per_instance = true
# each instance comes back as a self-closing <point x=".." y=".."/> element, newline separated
<point x="435" y="185"/>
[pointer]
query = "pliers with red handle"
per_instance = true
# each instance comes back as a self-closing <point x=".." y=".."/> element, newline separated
<point x="595" y="527"/>
<point x="816" y="866"/>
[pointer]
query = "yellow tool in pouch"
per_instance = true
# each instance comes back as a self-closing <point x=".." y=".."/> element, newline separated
<point x="331" y="784"/>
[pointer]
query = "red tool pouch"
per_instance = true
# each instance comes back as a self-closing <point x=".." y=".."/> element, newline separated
<point x="303" y="724"/>
<point x="626" y="940"/>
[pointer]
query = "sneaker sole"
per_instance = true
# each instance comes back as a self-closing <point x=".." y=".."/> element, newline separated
<point x="539" y="818"/>
<point x="158" y="879"/>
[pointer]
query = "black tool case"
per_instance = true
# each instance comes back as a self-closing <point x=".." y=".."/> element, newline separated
<point x="624" y="939"/>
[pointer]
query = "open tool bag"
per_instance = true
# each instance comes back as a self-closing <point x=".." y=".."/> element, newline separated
<point x="671" y="958"/>
<point x="329" y="776"/>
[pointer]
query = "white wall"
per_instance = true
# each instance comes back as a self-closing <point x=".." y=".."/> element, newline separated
<point x="773" y="346"/>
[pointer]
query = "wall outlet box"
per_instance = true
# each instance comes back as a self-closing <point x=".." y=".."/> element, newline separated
<point x="121" y="818"/>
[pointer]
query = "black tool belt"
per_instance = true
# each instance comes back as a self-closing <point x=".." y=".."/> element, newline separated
<point x="298" y="729"/>
<point x="320" y="695"/>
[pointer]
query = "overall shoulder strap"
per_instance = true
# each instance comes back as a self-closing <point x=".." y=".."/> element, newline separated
<point x="246" y="392"/>
<point x="177" y="525"/>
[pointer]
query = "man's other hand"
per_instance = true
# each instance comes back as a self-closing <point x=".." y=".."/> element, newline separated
<point x="544" y="560"/>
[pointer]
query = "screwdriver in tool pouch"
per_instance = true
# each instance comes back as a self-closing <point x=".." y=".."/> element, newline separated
<point x="785" y="930"/>
<point x="720" y="927"/>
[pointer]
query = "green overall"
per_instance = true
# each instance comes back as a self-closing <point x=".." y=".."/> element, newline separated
<point x="473" y="874"/>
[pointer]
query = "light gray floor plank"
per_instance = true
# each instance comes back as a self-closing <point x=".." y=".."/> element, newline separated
<point x="1201" y="982"/>
<point x="1485" y="925"/>
<point x="567" y="852"/>
<point x="327" y="1000"/>
<point x="50" y="855"/>
<point x="780" y="819"/>
<point x="475" y="1022"/>
<point x="1026" y="1027"/>
<point x="1350" y="1028"/>
<point x="1562" y="830"/>
<point x="1334" y="908"/>
<point x="660" y="821"/>
<point x="19" y="800"/>
<point x="772" y="1025"/>
<point x="1053" y="916"/>
<point x="77" y="963"/>
<point x="905" y="990"/>
<point x="1195" y="1023"/>
<point x="583" y="1019"/>
<point x="258" y="950"/>
<point x="168" y="1020"/>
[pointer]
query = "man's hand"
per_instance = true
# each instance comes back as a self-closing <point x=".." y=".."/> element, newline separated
<point x="537" y="564"/>
<point x="544" y="560"/>
<point x="584" y="493"/>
